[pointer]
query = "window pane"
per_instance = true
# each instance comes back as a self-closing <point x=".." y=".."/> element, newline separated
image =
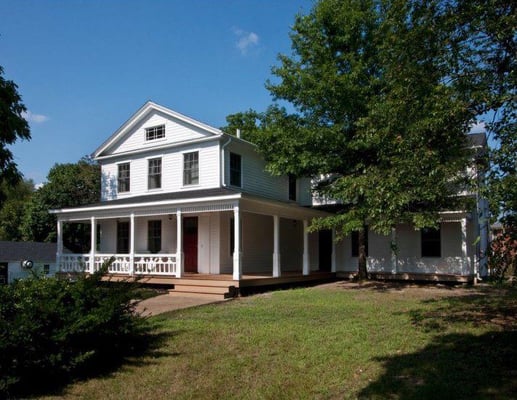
<point x="235" y="170"/>
<point x="191" y="168"/>
<point x="155" y="173"/>
<point x="155" y="132"/>
<point x="431" y="242"/>
<point x="123" y="177"/>
<point x="123" y="237"/>
<point x="292" y="187"/>
<point x="154" y="236"/>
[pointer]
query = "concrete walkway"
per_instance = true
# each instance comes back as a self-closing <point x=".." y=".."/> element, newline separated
<point x="166" y="302"/>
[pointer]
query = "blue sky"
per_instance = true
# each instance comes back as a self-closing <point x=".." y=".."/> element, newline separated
<point x="84" y="66"/>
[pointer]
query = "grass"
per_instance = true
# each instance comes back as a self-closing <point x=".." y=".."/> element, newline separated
<point x="337" y="341"/>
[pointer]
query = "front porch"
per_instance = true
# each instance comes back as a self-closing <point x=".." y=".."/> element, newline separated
<point x="243" y="240"/>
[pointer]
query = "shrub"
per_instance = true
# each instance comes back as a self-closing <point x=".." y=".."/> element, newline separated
<point x="53" y="328"/>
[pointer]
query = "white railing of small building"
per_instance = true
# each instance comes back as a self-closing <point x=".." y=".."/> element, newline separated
<point x="138" y="264"/>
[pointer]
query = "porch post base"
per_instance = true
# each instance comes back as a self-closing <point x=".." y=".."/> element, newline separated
<point x="276" y="265"/>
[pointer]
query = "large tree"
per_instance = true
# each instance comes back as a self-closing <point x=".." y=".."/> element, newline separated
<point x="12" y="210"/>
<point x="376" y="120"/>
<point x="67" y="185"/>
<point x="12" y="127"/>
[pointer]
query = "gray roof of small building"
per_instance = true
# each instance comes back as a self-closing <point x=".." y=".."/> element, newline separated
<point x="34" y="251"/>
<point x="477" y="139"/>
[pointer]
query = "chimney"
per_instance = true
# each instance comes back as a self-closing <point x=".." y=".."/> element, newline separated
<point x="238" y="133"/>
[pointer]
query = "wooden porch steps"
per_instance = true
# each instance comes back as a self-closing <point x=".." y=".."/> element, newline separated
<point x="222" y="289"/>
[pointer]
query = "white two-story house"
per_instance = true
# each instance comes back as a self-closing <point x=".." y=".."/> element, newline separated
<point x="180" y="198"/>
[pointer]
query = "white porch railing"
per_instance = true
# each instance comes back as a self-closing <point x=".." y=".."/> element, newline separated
<point x="144" y="264"/>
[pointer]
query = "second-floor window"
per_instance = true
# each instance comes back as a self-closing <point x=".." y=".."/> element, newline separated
<point x="191" y="168"/>
<point x="123" y="177"/>
<point x="155" y="132"/>
<point x="154" y="178"/>
<point x="235" y="170"/>
<point x="292" y="187"/>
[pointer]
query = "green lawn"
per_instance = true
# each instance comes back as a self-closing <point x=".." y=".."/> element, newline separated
<point x="331" y="342"/>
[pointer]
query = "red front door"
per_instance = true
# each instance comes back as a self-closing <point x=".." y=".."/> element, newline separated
<point x="190" y="243"/>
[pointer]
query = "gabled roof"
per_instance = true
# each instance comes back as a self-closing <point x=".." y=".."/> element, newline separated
<point x="144" y="110"/>
<point x="35" y="251"/>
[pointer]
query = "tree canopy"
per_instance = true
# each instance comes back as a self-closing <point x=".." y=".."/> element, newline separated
<point x="12" y="127"/>
<point x="382" y="94"/>
<point x="67" y="185"/>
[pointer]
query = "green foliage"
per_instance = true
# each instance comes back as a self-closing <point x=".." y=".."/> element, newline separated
<point x="12" y="210"/>
<point x="12" y="127"/>
<point x="51" y="327"/>
<point x="67" y="185"/>
<point x="248" y="122"/>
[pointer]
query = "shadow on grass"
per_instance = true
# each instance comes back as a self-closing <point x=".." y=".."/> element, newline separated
<point x="454" y="366"/>
<point x="143" y="349"/>
<point x="457" y="365"/>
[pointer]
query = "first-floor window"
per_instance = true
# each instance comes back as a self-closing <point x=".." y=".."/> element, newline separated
<point x="154" y="236"/>
<point x="122" y="237"/>
<point x="431" y="242"/>
<point x="46" y="269"/>
<point x="123" y="178"/>
<point x="155" y="174"/>
<point x="355" y="243"/>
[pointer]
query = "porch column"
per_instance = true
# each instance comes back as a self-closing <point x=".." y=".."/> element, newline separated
<point x="237" y="262"/>
<point x="179" y="244"/>
<point x="393" y="248"/>
<point x="306" y="266"/>
<point x="59" y="243"/>
<point x="464" y="242"/>
<point x="333" y="262"/>
<point x="276" y="246"/>
<point x="132" y="244"/>
<point x="93" y="244"/>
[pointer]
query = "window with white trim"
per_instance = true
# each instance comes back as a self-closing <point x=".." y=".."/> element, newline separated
<point x="123" y="178"/>
<point x="235" y="170"/>
<point x="155" y="132"/>
<point x="191" y="168"/>
<point x="154" y="178"/>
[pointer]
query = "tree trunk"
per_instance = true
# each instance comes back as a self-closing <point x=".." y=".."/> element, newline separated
<point x="363" y="273"/>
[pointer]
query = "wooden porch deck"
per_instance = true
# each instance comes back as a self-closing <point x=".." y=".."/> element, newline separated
<point x="224" y="285"/>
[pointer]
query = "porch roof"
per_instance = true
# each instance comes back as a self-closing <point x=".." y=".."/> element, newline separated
<point x="216" y="199"/>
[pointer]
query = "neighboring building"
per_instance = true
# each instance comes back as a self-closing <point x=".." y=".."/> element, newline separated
<point x="180" y="197"/>
<point x="18" y="259"/>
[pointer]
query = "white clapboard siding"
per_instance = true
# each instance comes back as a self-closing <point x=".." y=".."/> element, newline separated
<point x="176" y="131"/>
<point x="172" y="171"/>
<point x="255" y="178"/>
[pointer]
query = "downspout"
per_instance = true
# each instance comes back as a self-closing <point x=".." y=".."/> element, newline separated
<point x="223" y="164"/>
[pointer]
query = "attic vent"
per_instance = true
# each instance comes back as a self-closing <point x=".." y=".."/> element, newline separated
<point x="155" y="132"/>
